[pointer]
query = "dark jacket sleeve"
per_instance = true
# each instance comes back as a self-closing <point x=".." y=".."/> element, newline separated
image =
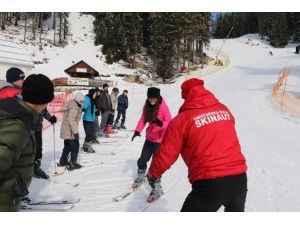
<point x="46" y="114"/>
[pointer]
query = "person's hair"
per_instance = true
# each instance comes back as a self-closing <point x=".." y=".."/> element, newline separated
<point x="125" y="91"/>
<point x="151" y="111"/>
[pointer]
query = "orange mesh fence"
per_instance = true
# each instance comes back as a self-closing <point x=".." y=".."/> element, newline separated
<point x="285" y="99"/>
<point x="56" y="107"/>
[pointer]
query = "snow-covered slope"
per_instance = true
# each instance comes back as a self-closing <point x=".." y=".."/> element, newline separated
<point x="268" y="136"/>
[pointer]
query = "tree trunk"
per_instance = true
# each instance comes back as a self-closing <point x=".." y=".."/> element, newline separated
<point x="17" y="19"/>
<point x="54" y="27"/>
<point x="33" y="25"/>
<point x="25" y="27"/>
<point x="2" y="21"/>
<point x="60" y="29"/>
<point x="65" y="28"/>
<point x="40" y="20"/>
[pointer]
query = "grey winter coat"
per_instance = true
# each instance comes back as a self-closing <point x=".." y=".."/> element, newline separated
<point x="71" y="119"/>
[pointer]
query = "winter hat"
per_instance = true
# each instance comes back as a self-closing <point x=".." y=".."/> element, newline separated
<point x="115" y="90"/>
<point x="153" y="92"/>
<point x="97" y="89"/>
<point x="91" y="92"/>
<point x="187" y="85"/>
<point x="37" y="89"/>
<point x="79" y="97"/>
<point x="14" y="74"/>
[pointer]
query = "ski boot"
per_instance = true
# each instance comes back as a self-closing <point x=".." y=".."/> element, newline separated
<point x="38" y="172"/>
<point x="101" y="133"/>
<point x="95" y="141"/>
<point x="73" y="166"/>
<point x="122" y="127"/>
<point x="156" y="191"/>
<point x="62" y="162"/>
<point x="116" y="125"/>
<point x="87" y="147"/>
<point x="140" y="179"/>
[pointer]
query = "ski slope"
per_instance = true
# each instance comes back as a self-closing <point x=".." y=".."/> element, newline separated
<point x="268" y="136"/>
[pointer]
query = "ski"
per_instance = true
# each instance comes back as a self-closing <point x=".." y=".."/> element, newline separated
<point x="54" y="202"/>
<point x="46" y="208"/>
<point x="126" y="194"/>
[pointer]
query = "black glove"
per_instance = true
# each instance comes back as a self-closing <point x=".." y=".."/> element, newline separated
<point x="83" y="110"/>
<point x="157" y="122"/>
<point x="152" y="180"/>
<point x="53" y="120"/>
<point x="136" y="133"/>
<point x="97" y="113"/>
<point x="76" y="136"/>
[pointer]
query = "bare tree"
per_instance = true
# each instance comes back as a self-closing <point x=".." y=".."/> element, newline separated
<point x="54" y="26"/>
<point x="33" y="25"/>
<point x="25" y="27"/>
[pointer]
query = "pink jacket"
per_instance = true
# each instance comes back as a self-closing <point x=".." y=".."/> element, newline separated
<point x="155" y="133"/>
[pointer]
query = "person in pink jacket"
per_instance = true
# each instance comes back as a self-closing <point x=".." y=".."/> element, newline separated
<point x="157" y="114"/>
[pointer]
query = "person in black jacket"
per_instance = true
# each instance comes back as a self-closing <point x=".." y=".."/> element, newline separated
<point x="105" y="108"/>
<point x="122" y="107"/>
<point x="38" y="124"/>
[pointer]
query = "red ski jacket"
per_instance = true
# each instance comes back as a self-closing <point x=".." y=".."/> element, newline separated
<point x="8" y="92"/>
<point x="203" y="133"/>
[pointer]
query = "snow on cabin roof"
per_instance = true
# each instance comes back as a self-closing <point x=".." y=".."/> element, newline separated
<point x="14" y="53"/>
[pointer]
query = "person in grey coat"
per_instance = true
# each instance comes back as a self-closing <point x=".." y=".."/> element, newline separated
<point x="70" y="133"/>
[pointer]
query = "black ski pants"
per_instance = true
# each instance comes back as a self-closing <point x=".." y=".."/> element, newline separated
<point x="39" y="145"/>
<point x="70" y="146"/>
<point x="210" y="195"/>
<point x="89" y="129"/>
<point x="123" y="113"/>
<point x="149" y="149"/>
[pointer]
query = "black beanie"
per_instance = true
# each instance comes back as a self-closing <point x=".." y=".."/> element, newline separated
<point x="37" y="89"/>
<point x="153" y="92"/>
<point x="14" y="74"/>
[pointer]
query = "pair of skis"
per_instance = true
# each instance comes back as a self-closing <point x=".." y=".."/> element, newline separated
<point x="54" y="206"/>
<point x="135" y="187"/>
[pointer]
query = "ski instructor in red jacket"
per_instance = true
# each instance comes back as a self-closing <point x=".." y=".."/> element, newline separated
<point x="204" y="134"/>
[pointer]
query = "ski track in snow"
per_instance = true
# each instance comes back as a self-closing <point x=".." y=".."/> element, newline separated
<point x="268" y="137"/>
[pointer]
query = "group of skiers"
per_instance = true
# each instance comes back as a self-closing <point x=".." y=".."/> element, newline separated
<point x="203" y="133"/>
<point x="97" y="102"/>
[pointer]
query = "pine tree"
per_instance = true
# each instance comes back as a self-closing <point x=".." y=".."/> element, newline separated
<point x="297" y="28"/>
<point x="279" y="30"/>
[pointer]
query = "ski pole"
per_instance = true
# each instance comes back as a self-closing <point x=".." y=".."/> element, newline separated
<point x="54" y="149"/>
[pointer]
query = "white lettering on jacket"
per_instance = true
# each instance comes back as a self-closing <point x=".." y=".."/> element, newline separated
<point x="211" y="117"/>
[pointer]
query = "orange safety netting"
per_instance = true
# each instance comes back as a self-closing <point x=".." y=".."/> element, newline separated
<point x="56" y="107"/>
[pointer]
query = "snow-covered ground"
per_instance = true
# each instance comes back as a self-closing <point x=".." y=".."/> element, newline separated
<point x="268" y="136"/>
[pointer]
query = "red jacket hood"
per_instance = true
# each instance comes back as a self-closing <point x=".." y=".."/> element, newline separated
<point x="196" y="96"/>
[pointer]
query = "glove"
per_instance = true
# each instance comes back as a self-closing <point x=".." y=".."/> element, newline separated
<point x="136" y="133"/>
<point x="157" y="122"/>
<point x="83" y="110"/>
<point x="152" y="180"/>
<point x="97" y="113"/>
<point x="53" y="120"/>
<point x="76" y="136"/>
